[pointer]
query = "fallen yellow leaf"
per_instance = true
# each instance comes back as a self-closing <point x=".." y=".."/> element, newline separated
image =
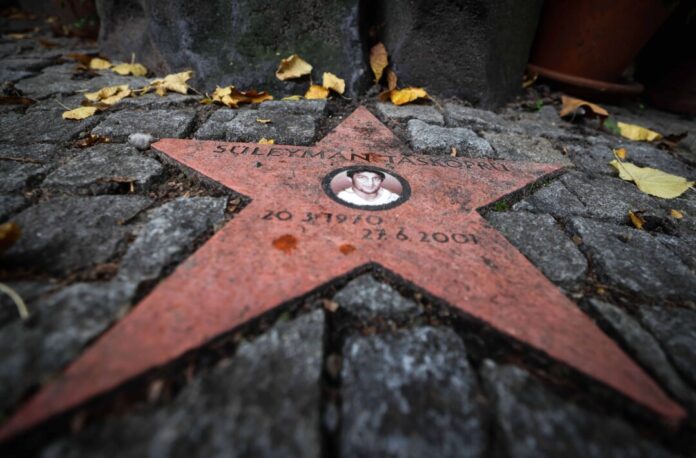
<point x="676" y="214"/>
<point x="130" y="69"/>
<point x="636" y="219"/>
<point x="292" y="67"/>
<point x="176" y="82"/>
<point x="379" y="59"/>
<point x="80" y="113"/>
<point x="391" y="79"/>
<point x="264" y="141"/>
<point x="99" y="64"/>
<point x="333" y="82"/>
<point x="9" y="234"/>
<point x="109" y="95"/>
<point x="620" y="153"/>
<point x="316" y="92"/>
<point x="232" y="97"/>
<point x="291" y="98"/>
<point x="406" y="95"/>
<point x="263" y="121"/>
<point x="571" y="105"/>
<point x="652" y="181"/>
<point x="638" y="133"/>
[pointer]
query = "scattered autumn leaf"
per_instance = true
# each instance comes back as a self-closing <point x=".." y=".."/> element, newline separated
<point x="263" y="121"/>
<point x="291" y="98"/>
<point x="80" y="113"/>
<point x="391" y="79"/>
<point x="676" y="214"/>
<point x="91" y="140"/>
<point x="176" y="82"/>
<point x="638" y="133"/>
<point x="292" y="67"/>
<point x="379" y="59"/>
<point x="672" y="140"/>
<point x="404" y="96"/>
<point x="232" y="97"/>
<point x="334" y="83"/>
<point x="621" y="153"/>
<point x="15" y="100"/>
<point x="98" y="63"/>
<point x="637" y="219"/>
<point x="571" y="105"/>
<point x="266" y="141"/>
<point x="453" y="152"/>
<point x="9" y="234"/>
<point x="316" y="92"/>
<point x="109" y="95"/>
<point x="529" y="78"/>
<point x="130" y="69"/>
<point x="19" y="36"/>
<point x="652" y="181"/>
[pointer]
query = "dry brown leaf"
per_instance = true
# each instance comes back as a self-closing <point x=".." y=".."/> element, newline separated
<point x="528" y="79"/>
<point x="80" y="113"/>
<point x="232" y="97"/>
<point x="109" y="95"/>
<point x="9" y="234"/>
<point x="379" y="59"/>
<point x="176" y="82"/>
<point x="130" y="69"/>
<point x="676" y="214"/>
<point x="391" y="79"/>
<point x="334" y="83"/>
<point x="621" y="153"/>
<point x="571" y="105"/>
<point x="15" y="100"/>
<point x="453" y="152"/>
<point x="293" y="67"/>
<point x="84" y="59"/>
<point x="266" y="141"/>
<point x="316" y="92"/>
<point x="97" y="63"/>
<point x="637" y="219"/>
<point x="91" y="140"/>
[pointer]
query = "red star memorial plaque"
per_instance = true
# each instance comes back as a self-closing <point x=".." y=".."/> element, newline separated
<point x="310" y="220"/>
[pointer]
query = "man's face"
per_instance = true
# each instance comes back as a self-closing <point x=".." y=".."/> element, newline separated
<point x="367" y="182"/>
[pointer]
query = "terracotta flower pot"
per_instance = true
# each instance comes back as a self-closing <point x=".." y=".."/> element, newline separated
<point x="594" y="40"/>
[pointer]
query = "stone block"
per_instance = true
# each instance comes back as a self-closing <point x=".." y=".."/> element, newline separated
<point x="520" y="147"/>
<point x="158" y="123"/>
<point x="429" y="139"/>
<point x="425" y="113"/>
<point x="366" y="298"/>
<point x="284" y="128"/>
<point x="237" y="43"/>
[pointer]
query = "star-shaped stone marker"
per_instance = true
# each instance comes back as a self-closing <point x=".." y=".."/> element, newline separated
<point x="297" y="235"/>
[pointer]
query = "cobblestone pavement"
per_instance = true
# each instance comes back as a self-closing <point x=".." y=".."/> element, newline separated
<point x="368" y="366"/>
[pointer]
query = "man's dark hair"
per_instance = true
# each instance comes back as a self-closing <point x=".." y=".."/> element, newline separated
<point x="350" y="173"/>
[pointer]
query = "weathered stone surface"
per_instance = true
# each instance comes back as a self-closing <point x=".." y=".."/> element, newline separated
<point x="43" y="126"/>
<point x="519" y="147"/>
<point x="153" y="101"/>
<point x="46" y="84"/>
<point x="28" y="64"/>
<point x="425" y="113"/>
<point x="38" y="153"/>
<point x="9" y="205"/>
<point x="239" y="43"/>
<point x="429" y="139"/>
<point x="410" y="394"/>
<point x="214" y="127"/>
<point x="103" y="169"/>
<point x="645" y="349"/>
<point x="533" y="422"/>
<point x="51" y="230"/>
<point x="159" y="123"/>
<point x="16" y="176"/>
<point x="684" y="247"/>
<point x="64" y="322"/>
<point x="366" y="298"/>
<point x="264" y="401"/>
<point x="483" y="66"/>
<point x="540" y="239"/>
<point x="634" y="261"/>
<point x="169" y="235"/>
<point x="310" y="107"/>
<point x="284" y="128"/>
<point x="459" y="115"/>
<point x="603" y="198"/>
<point x="675" y="328"/>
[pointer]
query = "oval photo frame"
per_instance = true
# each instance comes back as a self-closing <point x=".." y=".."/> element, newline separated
<point x="337" y="180"/>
